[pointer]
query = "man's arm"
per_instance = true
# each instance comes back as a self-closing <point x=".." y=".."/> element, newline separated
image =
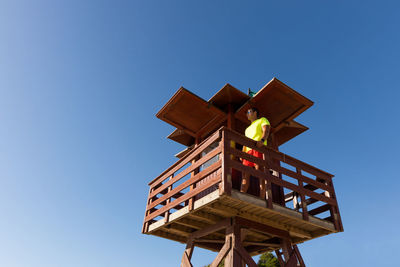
<point x="265" y="128"/>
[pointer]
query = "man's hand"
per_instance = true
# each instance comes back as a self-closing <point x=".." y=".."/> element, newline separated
<point x="259" y="143"/>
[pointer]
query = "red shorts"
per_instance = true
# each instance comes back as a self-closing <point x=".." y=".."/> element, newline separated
<point x="256" y="154"/>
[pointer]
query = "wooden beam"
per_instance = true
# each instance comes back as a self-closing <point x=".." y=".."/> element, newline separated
<point x="183" y="161"/>
<point x="247" y="243"/>
<point x="262" y="227"/>
<point x="205" y="217"/>
<point x="188" y="195"/>
<point x="226" y="181"/>
<point x="191" y="223"/>
<point x="319" y="209"/>
<point x="186" y="171"/>
<point x="209" y="241"/>
<point x="221" y="212"/>
<point x="223" y="252"/>
<point x="255" y="217"/>
<point x="179" y="229"/>
<point x="211" y="229"/>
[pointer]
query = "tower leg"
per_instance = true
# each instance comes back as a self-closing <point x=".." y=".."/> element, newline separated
<point x="187" y="255"/>
<point x="233" y="250"/>
<point x="237" y="256"/>
<point x="291" y="255"/>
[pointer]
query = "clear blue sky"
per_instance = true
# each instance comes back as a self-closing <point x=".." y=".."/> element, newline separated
<point x="81" y="81"/>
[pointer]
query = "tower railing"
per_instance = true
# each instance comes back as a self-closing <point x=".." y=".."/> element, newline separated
<point x="215" y="164"/>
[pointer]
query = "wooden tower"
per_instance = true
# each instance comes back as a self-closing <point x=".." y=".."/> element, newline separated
<point x="197" y="201"/>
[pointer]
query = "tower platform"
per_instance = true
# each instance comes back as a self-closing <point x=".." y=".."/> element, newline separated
<point x="201" y="190"/>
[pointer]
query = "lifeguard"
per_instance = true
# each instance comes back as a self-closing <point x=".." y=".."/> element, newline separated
<point x="258" y="131"/>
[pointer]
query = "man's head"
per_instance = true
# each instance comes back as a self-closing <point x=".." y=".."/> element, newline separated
<point x="252" y="114"/>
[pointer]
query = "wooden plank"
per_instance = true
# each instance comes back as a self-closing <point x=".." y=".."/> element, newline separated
<point x="302" y="178"/>
<point x="188" y="170"/>
<point x="279" y="256"/>
<point x="274" y="180"/>
<point x="186" y="261"/>
<point x="226" y="184"/>
<point x="192" y="186"/>
<point x="184" y="213"/>
<point x="185" y="197"/>
<point x="280" y="211"/>
<point x="278" y="155"/>
<point x="212" y="124"/>
<point x="191" y="223"/>
<point x="299" y="257"/>
<point x="205" y="217"/>
<point x="263" y="244"/>
<point x="245" y="256"/>
<point x="308" y="168"/>
<point x="166" y="216"/>
<point x="210" y="241"/>
<point x="185" y="160"/>
<point x="211" y="229"/>
<point x="179" y="111"/>
<point x="262" y="227"/>
<point x="177" y="230"/>
<point x="222" y="253"/>
<point x="289" y="196"/>
<point x="310" y="201"/>
<point x="279" y="169"/>
<point x="303" y="200"/>
<point x="170" y="236"/>
<point x="319" y="210"/>
<point x="222" y="211"/>
<point x="336" y="214"/>
<point x="145" y="227"/>
<point x="187" y="183"/>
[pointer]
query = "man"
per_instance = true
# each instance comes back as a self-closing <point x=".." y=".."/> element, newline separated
<point x="258" y="131"/>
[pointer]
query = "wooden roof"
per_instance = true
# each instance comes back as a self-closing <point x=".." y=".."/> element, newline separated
<point x="229" y="95"/>
<point x="193" y="116"/>
<point x="181" y="137"/>
<point x="289" y="131"/>
<point x="277" y="102"/>
<point x="188" y="112"/>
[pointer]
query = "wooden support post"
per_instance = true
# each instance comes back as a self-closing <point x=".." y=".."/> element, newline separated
<point x="233" y="250"/>
<point x="223" y="252"/>
<point x="194" y="172"/>
<point x="303" y="198"/>
<point x="291" y="255"/>
<point x="269" y="192"/>
<point x="277" y="191"/>
<point x="263" y="183"/>
<point x="192" y="186"/>
<point x="280" y="259"/>
<point x="187" y="255"/>
<point x="295" y="201"/>
<point x="337" y="221"/>
<point x="237" y="256"/>
<point x="226" y="181"/>
<point x="166" y="216"/>
<point x="299" y="257"/>
<point x="146" y="224"/>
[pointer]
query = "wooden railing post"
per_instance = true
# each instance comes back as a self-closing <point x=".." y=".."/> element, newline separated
<point x="226" y="181"/>
<point x="268" y="185"/>
<point x="166" y="216"/>
<point x="187" y="254"/>
<point x="148" y="202"/>
<point x="192" y="186"/>
<point x="166" y="192"/>
<point x="303" y="198"/>
<point x="335" y="210"/>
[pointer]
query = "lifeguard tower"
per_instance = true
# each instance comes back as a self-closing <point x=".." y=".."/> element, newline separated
<point x="197" y="200"/>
